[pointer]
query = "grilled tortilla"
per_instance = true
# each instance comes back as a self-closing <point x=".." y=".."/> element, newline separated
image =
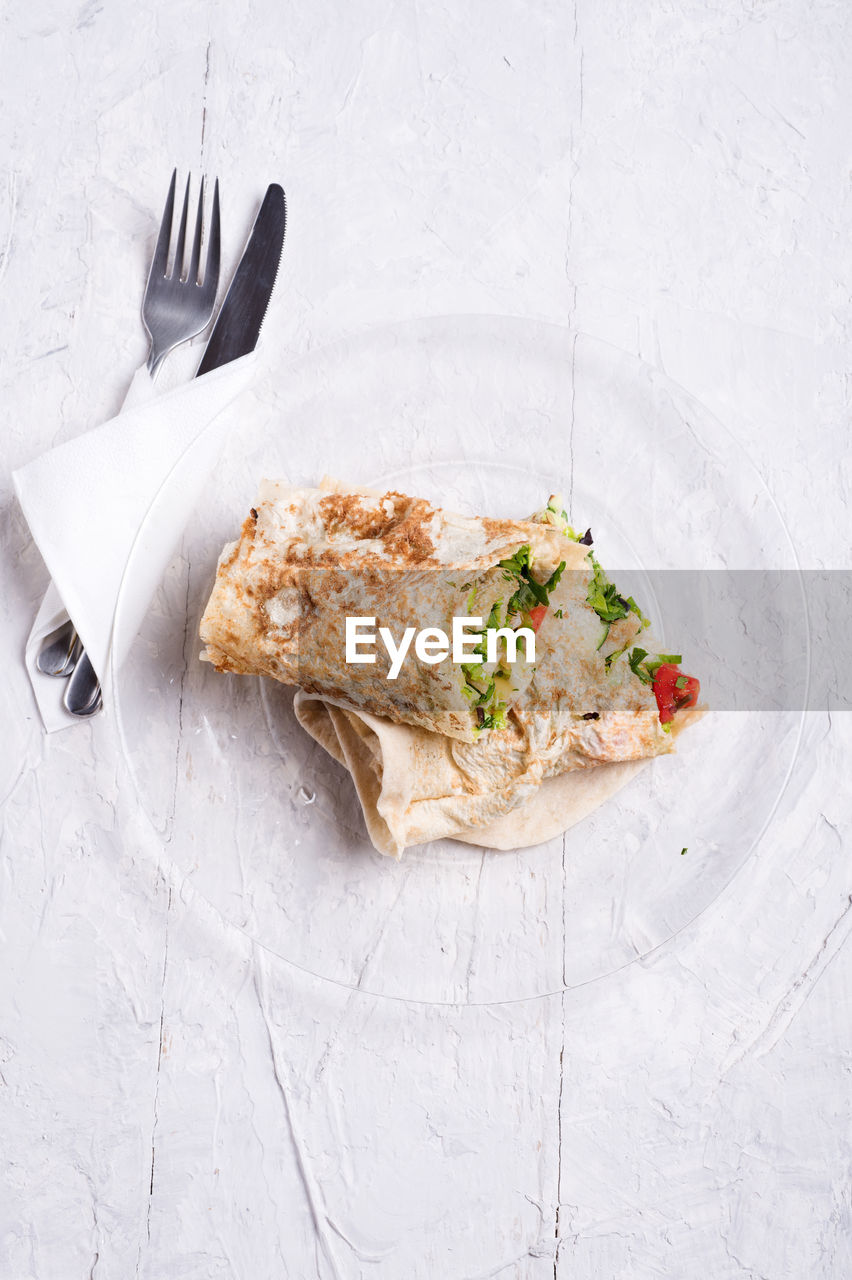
<point x="308" y="558"/>
<point x="489" y="752"/>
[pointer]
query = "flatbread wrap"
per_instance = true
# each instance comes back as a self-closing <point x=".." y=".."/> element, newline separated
<point x="308" y="559"/>
<point x="447" y="748"/>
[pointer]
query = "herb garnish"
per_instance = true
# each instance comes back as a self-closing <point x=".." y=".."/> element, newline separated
<point x="529" y="592"/>
<point x="647" y="670"/>
<point x="495" y="719"/>
<point x="608" y="603"/>
<point x="489" y="713"/>
<point x="635" y="660"/>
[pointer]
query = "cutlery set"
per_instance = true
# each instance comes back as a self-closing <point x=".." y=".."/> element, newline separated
<point x="178" y="305"/>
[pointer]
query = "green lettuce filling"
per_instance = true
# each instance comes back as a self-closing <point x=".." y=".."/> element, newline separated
<point x="529" y="592"/>
<point x="479" y="687"/>
<point x="610" y="606"/>
<point x="489" y="712"/>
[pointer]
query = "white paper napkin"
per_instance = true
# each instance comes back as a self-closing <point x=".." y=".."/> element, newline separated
<point x="86" y="500"/>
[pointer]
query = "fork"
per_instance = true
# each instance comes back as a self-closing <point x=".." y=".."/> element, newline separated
<point x="175" y="308"/>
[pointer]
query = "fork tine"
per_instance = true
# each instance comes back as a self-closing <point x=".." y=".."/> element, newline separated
<point x="160" y="261"/>
<point x="211" y="266"/>
<point x="180" y="245"/>
<point x="175" y="307"/>
<point x="192" y="274"/>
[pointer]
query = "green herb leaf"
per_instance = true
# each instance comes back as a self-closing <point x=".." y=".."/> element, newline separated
<point x="603" y="596"/>
<point x="635" y="659"/>
<point x="606" y="600"/>
<point x="514" y="566"/>
<point x="486" y="697"/>
<point x="530" y="592"/>
<point x="634" y="608"/>
<point x="495" y="719"/>
<point x="538" y="590"/>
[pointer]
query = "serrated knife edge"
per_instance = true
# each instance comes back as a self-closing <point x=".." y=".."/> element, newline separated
<point x="246" y="303"/>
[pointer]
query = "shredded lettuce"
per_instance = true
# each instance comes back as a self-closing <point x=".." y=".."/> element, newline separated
<point x="478" y="687"/>
<point x="610" y="606"/>
<point x="529" y="592"/>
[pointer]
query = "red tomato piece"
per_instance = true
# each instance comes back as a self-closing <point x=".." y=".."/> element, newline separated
<point x="537" y="615"/>
<point x="670" y="697"/>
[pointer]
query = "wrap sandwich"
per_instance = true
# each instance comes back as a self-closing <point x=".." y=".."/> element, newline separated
<point x="476" y="740"/>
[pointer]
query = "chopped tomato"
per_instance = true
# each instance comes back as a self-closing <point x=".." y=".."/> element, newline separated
<point x="673" y="690"/>
<point x="537" y="614"/>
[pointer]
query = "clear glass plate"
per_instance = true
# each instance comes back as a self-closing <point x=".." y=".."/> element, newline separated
<point x="485" y="415"/>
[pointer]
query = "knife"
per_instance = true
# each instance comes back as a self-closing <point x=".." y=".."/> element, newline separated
<point x="235" y="334"/>
<point x="236" y="330"/>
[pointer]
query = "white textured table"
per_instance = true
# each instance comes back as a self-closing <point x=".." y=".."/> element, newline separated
<point x="674" y="178"/>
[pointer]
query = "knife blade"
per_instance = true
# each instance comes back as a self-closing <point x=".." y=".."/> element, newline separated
<point x="237" y="327"/>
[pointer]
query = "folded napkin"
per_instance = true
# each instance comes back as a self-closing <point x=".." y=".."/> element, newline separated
<point x="414" y="787"/>
<point x="86" y="502"/>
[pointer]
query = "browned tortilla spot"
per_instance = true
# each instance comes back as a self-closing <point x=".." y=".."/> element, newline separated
<point x="403" y="528"/>
<point x="495" y="530"/>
